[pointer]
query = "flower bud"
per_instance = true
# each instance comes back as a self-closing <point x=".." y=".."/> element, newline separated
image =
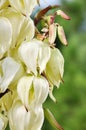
<point x="63" y="15"/>
<point x="52" y="33"/>
<point x="61" y="35"/>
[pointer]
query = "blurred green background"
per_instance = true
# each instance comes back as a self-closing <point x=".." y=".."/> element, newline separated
<point x="70" y="109"/>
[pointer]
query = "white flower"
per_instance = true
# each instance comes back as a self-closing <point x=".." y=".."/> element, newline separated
<point x="55" y="67"/>
<point x="11" y="71"/>
<point x="24" y="6"/>
<point x="22" y="119"/>
<point x="33" y="91"/>
<point x="22" y="27"/>
<point x="35" y="54"/>
<point x="5" y="35"/>
<point x="3" y="122"/>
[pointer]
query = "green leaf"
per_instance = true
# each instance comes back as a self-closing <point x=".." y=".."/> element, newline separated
<point x="52" y="119"/>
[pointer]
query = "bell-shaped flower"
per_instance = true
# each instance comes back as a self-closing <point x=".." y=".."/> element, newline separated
<point x="5" y="35"/>
<point x="32" y="91"/>
<point x="11" y="71"/>
<point x="4" y="3"/>
<point x="22" y="27"/>
<point x="35" y="54"/>
<point x="55" y="67"/>
<point x="3" y="122"/>
<point x="22" y="119"/>
<point x="24" y="6"/>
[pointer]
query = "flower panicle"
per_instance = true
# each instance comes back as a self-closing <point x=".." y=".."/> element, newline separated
<point x="30" y="64"/>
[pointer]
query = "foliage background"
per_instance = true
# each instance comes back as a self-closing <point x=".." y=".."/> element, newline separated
<point x="70" y="109"/>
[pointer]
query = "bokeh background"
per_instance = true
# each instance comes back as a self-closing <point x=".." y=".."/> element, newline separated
<point x="70" y="109"/>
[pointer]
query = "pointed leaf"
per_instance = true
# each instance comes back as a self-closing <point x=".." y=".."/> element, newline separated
<point x="52" y="120"/>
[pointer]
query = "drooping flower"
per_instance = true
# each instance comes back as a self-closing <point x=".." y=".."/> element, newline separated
<point x="55" y="67"/>
<point x="22" y="27"/>
<point x="35" y="54"/>
<point x="32" y="91"/>
<point x="22" y="119"/>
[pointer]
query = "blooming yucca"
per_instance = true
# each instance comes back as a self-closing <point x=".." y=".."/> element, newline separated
<point x="30" y="65"/>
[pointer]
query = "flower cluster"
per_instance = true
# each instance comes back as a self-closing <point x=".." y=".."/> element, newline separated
<point x="29" y="66"/>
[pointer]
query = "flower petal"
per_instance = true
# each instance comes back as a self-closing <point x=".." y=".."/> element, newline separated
<point x="23" y="89"/>
<point x="10" y="69"/>
<point x="28" y="52"/>
<point x="37" y="118"/>
<point x="55" y="67"/>
<point x="3" y="122"/>
<point x="22" y="27"/>
<point x="24" y="6"/>
<point x="35" y="54"/>
<point x="22" y="119"/>
<point x="32" y="91"/>
<point x="41" y="90"/>
<point x="18" y="117"/>
<point x="5" y="35"/>
<point x="43" y="57"/>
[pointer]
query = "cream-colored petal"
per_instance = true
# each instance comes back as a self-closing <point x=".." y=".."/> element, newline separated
<point x="27" y="30"/>
<point x="22" y="27"/>
<point x="10" y="68"/>
<point x="18" y="117"/>
<point x="3" y="122"/>
<point x="37" y="118"/>
<point x="43" y="57"/>
<point x="24" y="6"/>
<point x="28" y="52"/>
<point x="23" y="89"/>
<point x="55" y="67"/>
<point x="33" y="91"/>
<point x="16" y="21"/>
<point x="5" y="35"/>
<point x="41" y="90"/>
<point x="22" y="119"/>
